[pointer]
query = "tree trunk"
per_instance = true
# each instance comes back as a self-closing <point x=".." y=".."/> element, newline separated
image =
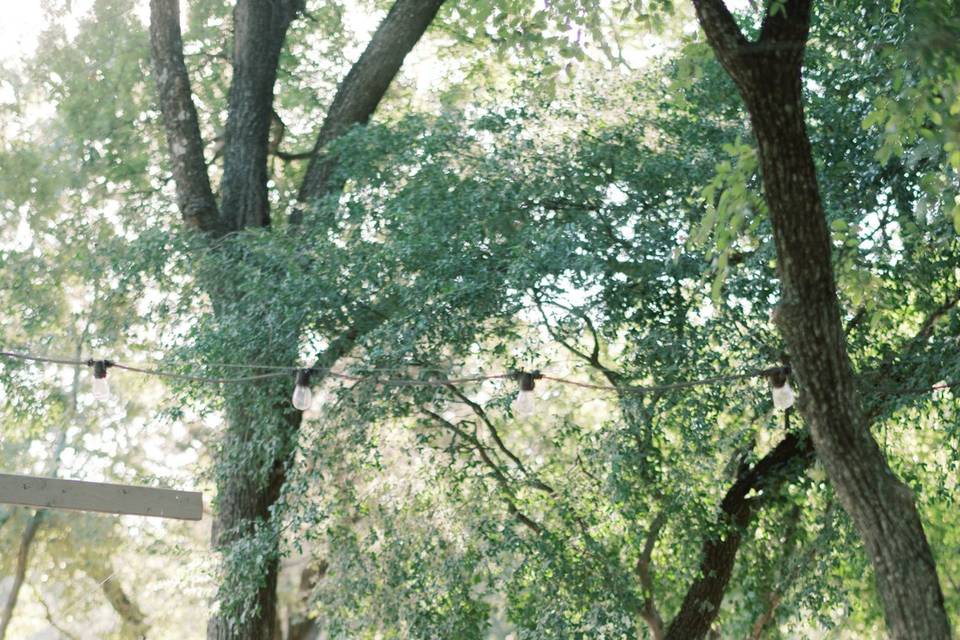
<point x="768" y="75"/>
<point x="252" y="475"/>
<point x="881" y="506"/>
<point x="244" y="501"/>
<point x="259" y="29"/>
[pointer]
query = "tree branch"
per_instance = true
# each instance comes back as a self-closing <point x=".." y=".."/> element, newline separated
<point x="613" y="377"/>
<point x="495" y="434"/>
<point x="649" y="612"/>
<point x="133" y="619"/>
<point x="926" y="329"/>
<point x="290" y="157"/>
<point x="788" y="25"/>
<point x="530" y="478"/>
<point x="506" y="490"/>
<point x="48" y="614"/>
<point x="722" y="31"/>
<point x="887" y="370"/>
<point x="194" y="195"/>
<point x="341" y="345"/>
<point x="259" y="31"/>
<point x="702" y="601"/>
<point x="20" y="573"/>
<point x="782" y="42"/>
<point x="364" y="87"/>
<point x="583" y="468"/>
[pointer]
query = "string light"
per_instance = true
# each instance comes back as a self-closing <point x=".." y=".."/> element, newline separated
<point x="525" y="404"/>
<point x="783" y="394"/>
<point x="302" y="396"/>
<point x="101" y="388"/>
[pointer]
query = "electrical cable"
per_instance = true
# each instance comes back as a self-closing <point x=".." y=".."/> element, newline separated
<point x="279" y="371"/>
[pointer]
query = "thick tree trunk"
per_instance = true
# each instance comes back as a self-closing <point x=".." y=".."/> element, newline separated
<point x="259" y="30"/>
<point x="250" y="483"/>
<point x="881" y="506"/>
<point x="252" y="477"/>
<point x="768" y="75"/>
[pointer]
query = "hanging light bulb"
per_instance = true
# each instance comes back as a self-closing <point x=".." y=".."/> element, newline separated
<point x="302" y="396"/>
<point x="525" y="405"/>
<point x="101" y="388"/>
<point x="780" y="389"/>
<point x="783" y="397"/>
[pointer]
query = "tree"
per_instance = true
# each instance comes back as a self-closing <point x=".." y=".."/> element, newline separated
<point x="247" y="493"/>
<point x="767" y="73"/>
<point x="609" y="229"/>
<point x="567" y="229"/>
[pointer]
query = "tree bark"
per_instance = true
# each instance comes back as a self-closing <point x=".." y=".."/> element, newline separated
<point x="259" y="29"/>
<point x="768" y="76"/>
<point x="194" y="195"/>
<point x="244" y="501"/>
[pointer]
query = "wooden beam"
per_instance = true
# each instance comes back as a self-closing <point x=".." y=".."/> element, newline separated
<point x="51" y="493"/>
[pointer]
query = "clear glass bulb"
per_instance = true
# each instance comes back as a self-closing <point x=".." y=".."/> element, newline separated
<point x="524" y="405"/>
<point x="783" y="397"/>
<point x="302" y="397"/>
<point x="101" y="389"/>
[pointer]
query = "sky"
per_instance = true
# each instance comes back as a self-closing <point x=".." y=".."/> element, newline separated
<point x="23" y="22"/>
<point x="18" y="31"/>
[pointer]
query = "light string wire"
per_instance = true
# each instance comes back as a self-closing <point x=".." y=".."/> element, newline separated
<point x="279" y="371"/>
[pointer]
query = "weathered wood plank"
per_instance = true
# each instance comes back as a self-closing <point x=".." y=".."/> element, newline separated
<point x="51" y="493"/>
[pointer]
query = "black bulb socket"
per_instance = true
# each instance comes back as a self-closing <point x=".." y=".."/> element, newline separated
<point x="303" y="377"/>
<point x="100" y="368"/>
